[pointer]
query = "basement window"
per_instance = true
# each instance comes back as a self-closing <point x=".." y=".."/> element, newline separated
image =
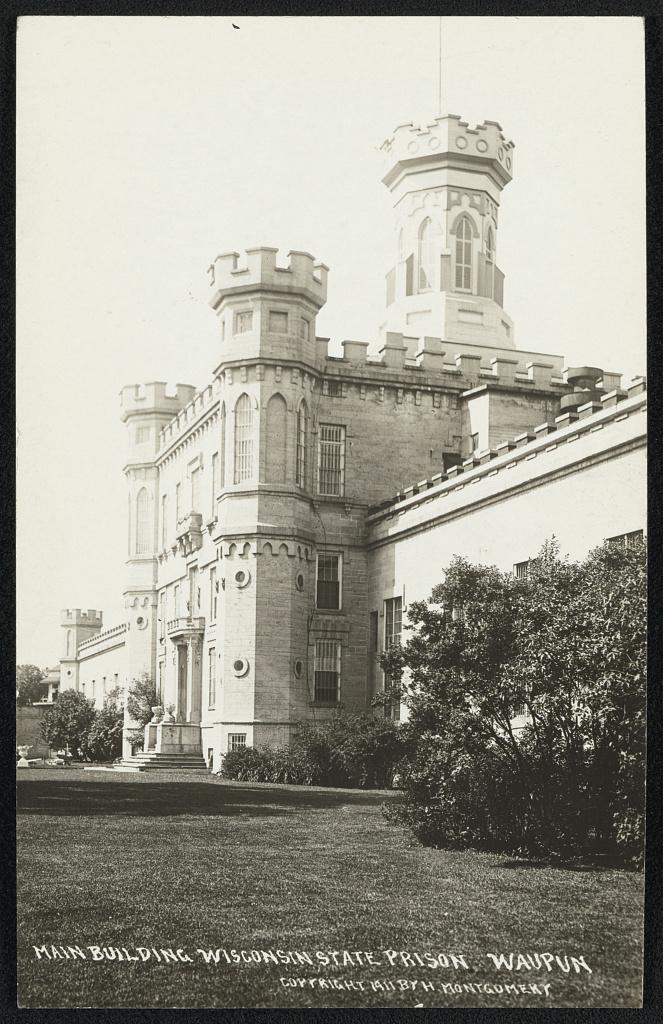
<point x="236" y="741"/>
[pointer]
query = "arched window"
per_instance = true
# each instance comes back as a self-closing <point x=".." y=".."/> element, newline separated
<point x="302" y="440"/>
<point x="489" y="272"/>
<point x="426" y="255"/>
<point x="464" y="254"/>
<point x="70" y="637"/>
<point x="401" y="245"/>
<point x="243" y="439"/>
<point x="222" y="447"/>
<point x="143" y="522"/>
<point x="277" y="415"/>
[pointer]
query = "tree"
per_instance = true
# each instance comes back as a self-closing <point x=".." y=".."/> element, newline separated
<point x="68" y="722"/>
<point x="103" y="742"/>
<point x="29" y="684"/>
<point x="142" y="697"/>
<point x="567" y="646"/>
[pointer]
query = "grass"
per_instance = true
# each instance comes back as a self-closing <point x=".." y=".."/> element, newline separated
<point x="196" y="863"/>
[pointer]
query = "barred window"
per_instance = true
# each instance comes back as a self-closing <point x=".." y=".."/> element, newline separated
<point x="393" y="625"/>
<point x="278" y="322"/>
<point x="333" y="388"/>
<point x="164" y="520"/>
<point x="302" y="440"/>
<point x="331" y="460"/>
<point x="426" y="255"/>
<point x="143" y="522"/>
<point x="243" y="321"/>
<point x="328" y="590"/>
<point x="222" y="447"/>
<point x="213" y="594"/>
<point x="215" y="480"/>
<point x="327" y="671"/>
<point x="211" y="695"/>
<point x="236" y="741"/>
<point x="464" y="255"/>
<point x="243" y="439"/>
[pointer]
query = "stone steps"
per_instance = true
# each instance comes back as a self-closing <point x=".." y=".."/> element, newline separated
<point x="152" y="760"/>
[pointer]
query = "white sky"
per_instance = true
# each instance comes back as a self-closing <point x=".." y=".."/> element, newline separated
<point x="148" y="145"/>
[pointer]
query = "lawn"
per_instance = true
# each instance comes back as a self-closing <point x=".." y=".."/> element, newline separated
<point x="157" y="862"/>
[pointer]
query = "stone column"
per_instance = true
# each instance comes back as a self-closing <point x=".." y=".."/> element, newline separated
<point x="194" y="680"/>
<point x="182" y="685"/>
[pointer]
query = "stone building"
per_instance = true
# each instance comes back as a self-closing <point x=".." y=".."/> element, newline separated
<point x="281" y="518"/>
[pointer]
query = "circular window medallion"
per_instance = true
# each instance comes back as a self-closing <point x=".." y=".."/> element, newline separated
<point x="242" y="577"/>
<point x="299" y="581"/>
<point x="141" y="622"/>
<point x="482" y="145"/>
<point x="240" y="666"/>
<point x="68" y="671"/>
<point x="299" y="668"/>
<point x="434" y="142"/>
<point x="461" y="142"/>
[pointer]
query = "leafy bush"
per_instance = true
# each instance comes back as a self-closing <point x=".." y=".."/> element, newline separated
<point x="347" y="750"/>
<point x="103" y="742"/>
<point x="68" y="722"/>
<point x="567" y="644"/>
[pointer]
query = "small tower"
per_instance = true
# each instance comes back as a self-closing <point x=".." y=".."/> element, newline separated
<point x="77" y="625"/>
<point x="146" y="409"/>
<point x="268" y="311"/>
<point x="446" y="180"/>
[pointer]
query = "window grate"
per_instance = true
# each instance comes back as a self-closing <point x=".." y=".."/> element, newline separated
<point x="464" y="255"/>
<point x="302" y="431"/>
<point x="211" y="696"/>
<point x="243" y="321"/>
<point x="243" y="439"/>
<point x="393" y="626"/>
<point x="327" y="671"/>
<point x="236" y="741"/>
<point x="331" y="460"/>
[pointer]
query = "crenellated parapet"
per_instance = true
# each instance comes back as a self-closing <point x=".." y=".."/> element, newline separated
<point x="259" y="271"/>
<point x="81" y="617"/>
<point x="155" y="398"/>
<point x="452" y="139"/>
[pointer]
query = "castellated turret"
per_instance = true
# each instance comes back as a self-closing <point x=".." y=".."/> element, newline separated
<point x="266" y="310"/>
<point x="146" y="409"/>
<point x="445" y="180"/>
<point x="78" y="625"/>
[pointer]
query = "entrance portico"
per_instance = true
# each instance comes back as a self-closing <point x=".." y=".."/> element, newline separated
<point x="179" y="730"/>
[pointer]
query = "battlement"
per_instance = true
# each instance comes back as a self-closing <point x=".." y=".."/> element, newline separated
<point x="303" y="274"/>
<point x="81" y="617"/>
<point x="155" y="397"/>
<point x="450" y="137"/>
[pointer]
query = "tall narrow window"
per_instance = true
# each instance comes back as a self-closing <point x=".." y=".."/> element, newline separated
<point x="195" y="489"/>
<point x="211" y="695"/>
<point x="327" y="685"/>
<point x="401" y="245"/>
<point x="164" y="521"/>
<point x="213" y="596"/>
<point x="328" y="587"/>
<point x="194" y="591"/>
<point x="222" y="448"/>
<point x="143" y="522"/>
<point x="243" y="321"/>
<point x="243" y="439"/>
<point x="162" y="613"/>
<point x="160" y="684"/>
<point x="178" y="504"/>
<point x="373" y="633"/>
<point x="331" y="460"/>
<point x="302" y="439"/>
<point x="464" y="254"/>
<point x="176" y="602"/>
<point x="275" y="454"/>
<point x="426" y="256"/>
<point x="70" y="642"/>
<point x="393" y="625"/>
<point x="490" y="263"/>
<point x="215" y="481"/>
